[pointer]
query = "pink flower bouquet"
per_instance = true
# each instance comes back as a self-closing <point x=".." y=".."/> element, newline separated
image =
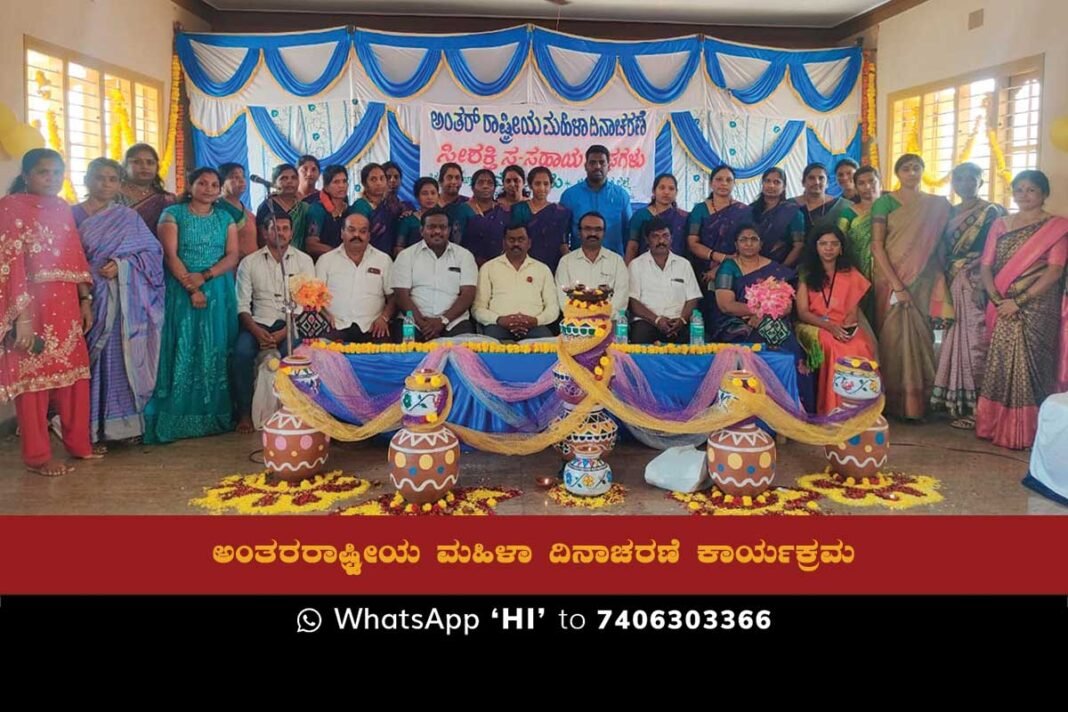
<point x="770" y="298"/>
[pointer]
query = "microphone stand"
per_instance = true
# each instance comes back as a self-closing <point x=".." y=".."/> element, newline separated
<point x="288" y="305"/>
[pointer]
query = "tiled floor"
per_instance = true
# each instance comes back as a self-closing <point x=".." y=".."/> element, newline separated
<point x="977" y="478"/>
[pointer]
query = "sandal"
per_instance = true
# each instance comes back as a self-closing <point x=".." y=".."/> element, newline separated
<point x="53" y="468"/>
<point x="966" y="423"/>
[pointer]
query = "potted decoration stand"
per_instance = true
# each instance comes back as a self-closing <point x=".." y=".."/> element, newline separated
<point x="424" y="455"/>
<point x="858" y="383"/>
<point x="741" y="457"/>
<point x="292" y="450"/>
<point x="587" y="316"/>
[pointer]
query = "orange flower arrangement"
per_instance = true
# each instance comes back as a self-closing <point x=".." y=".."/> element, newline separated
<point x="309" y="293"/>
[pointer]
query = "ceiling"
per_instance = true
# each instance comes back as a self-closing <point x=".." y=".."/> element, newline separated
<point x="777" y="13"/>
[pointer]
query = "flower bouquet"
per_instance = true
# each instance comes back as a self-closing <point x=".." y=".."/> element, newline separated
<point x="771" y="300"/>
<point x="312" y="296"/>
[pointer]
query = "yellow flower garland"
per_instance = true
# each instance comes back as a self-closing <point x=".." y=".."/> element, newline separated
<point x="616" y="494"/>
<point x="487" y="347"/>
<point x="253" y="494"/>
<point x="889" y="489"/>
<point x="461" y="502"/>
<point x="777" y="500"/>
<point x="167" y="158"/>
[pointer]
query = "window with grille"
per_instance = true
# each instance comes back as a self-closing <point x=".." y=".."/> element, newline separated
<point x="953" y="121"/>
<point x="86" y="109"/>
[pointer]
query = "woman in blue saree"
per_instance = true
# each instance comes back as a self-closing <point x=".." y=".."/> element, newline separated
<point x="736" y="321"/>
<point x="379" y="211"/>
<point x="662" y="206"/>
<point x="779" y="221"/>
<point x="126" y="260"/>
<point x="547" y="223"/>
<point x="481" y="222"/>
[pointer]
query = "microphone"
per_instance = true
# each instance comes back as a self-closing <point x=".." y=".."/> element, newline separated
<point x="262" y="181"/>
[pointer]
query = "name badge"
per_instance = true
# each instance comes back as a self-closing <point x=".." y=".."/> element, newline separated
<point x="373" y="270"/>
<point x="454" y="269"/>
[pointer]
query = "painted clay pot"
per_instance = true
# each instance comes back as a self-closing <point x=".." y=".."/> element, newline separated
<point x="858" y="383"/>
<point x="424" y="467"/>
<point x="587" y="474"/>
<point x="292" y="450"/>
<point x="598" y="431"/>
<point x="424" y="455"/>
<point x="741" y="457"/>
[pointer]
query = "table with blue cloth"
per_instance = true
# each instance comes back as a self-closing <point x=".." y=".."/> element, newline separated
<point x="674" y="379"/>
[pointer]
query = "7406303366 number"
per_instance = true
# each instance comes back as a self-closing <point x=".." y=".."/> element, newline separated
<point x="707" y="619"/>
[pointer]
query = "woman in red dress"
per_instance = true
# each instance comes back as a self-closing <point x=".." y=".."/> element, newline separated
<point x="45" y="310"/>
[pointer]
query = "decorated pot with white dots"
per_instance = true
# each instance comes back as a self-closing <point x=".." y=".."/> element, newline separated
<point x="292" y="449"/>
<point x="857" y="381"/>
<point x="424" y="455"/>
<point x="741" y="457"/>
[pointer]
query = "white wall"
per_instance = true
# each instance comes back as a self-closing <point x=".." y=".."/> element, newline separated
<point x="932" y="42"/>
<point x="133" y="34"/>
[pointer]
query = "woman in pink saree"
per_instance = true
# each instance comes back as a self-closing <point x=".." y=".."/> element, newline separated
<point x="1023" y="273"/>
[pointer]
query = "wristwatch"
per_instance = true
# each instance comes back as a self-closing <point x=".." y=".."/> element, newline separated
<point x="444" y="320"/>
<point x="86" y="297"/>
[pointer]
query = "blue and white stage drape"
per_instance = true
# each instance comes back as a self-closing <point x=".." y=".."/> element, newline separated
<point x="353" y="96"/>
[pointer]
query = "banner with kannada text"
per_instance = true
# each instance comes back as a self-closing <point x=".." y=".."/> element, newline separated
<point x="493" y="137"/>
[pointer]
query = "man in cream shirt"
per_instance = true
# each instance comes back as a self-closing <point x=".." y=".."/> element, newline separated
<point x="435" y="279"/>
<point x="663" y="290"/>
<point x="516" y="296"/>
<point x="592" y="265"/>
<point x="260" y="302"/>
<point x="358" y="277"/>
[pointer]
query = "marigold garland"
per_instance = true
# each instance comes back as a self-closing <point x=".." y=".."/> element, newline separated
<point x="616" y="494"/>
<point x="254" y="494"/>
<point x="869" y="112"/>
<point x="56" y="144"/>
<point x="775" y="501"/>
<point x="461" y="502"/>
<point x="488" y="347"/>
<point x="173" y="118"/>
<point x="999" y="157"/>
<point x="892" y="490"/>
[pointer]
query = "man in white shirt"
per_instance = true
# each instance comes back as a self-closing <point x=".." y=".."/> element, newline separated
<point x="663" y="291"/>
<point x="260" y="302"/>
<point x="516" y="296"/>
<point x="358" y="276"/>
<point x="435" y="280"/>
<point x="592" y="265"/>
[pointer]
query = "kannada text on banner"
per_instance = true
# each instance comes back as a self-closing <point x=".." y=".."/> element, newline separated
<point x="496" y="137"/>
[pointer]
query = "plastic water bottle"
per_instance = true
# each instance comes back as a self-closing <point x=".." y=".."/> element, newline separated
<point x="408" y="328"/>
<point x="697" y="329"/>
<point x="622" y="328"/>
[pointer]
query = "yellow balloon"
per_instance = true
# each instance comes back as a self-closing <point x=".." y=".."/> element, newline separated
<point x="21" y="139"/>
<point x="7" y="119"/>
<point x="1059" y="133"/>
